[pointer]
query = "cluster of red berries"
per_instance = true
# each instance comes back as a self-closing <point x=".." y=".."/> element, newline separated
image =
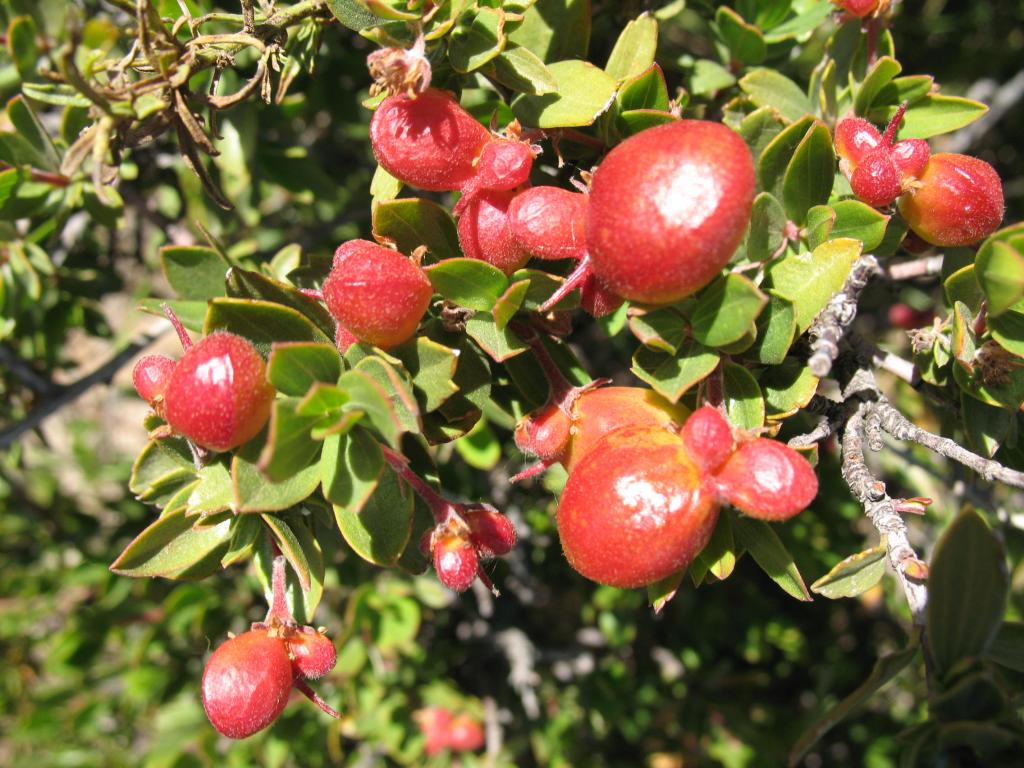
<point x="217" y="395"/>
<point x="444" y="730"/>
<point x="947" y="199"/>
<point x="862" y="9"/>
<point x="466" y="535"/>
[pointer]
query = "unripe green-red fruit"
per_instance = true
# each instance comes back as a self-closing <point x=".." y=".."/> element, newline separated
<point x="959" y="201"/>
<point x="455" y="561"/>
<point x="379" y="295"/>
<point x="550" y="222"/>
<point x="429" y="141"/>
<point x="218" y="395"/>
<point x="668" y="207"/>
<point x="465" y="734"/>
<point x="313" y="654"/>
<point x="876" y="180"/>
<point x="151" y="374"/>
<point x="484" y="232"/>
<point x="635" y="510"/>
<point x="768" y="480"/>
<point x="855" y="139"/>
<point x="708" y="438"/>
<point x="490" y="532"/>
<point x="246" y="683"/>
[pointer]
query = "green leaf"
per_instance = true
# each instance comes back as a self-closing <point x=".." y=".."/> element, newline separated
<point x="776" y="327"/>
<point x="521" y="70"/>
<point x="555" y="29"/>
<point x="885" y="669"/>
<point x="353" y="15"/>
<point x="967" y="591"/>
<point x="999" y="268"/>
<point x="808" y="280"/>
<point x="859" y="221"/>
<point x="413" y="222"/>
<point x="350" y="468"/>
<point x="881" y="74"/>
<point x="936" y="114"/>
<point x="708" y="77"/>
<point x="661" y="592"/>
<point x="771" y="554"/>
<point x="369" y="396"/>
<point x="810" y="173"/>
<point x="196" y="273"/>
<point x="774" y="160"/>
<point x="1007" y="646"/>
<point x="500" y="344"/>
<point x="22" y="46"/>
<point x="963" y="286"/>
<point x="432" y="367"/>
<point x="986" y="427"/>
<point x="171" y="545"/>
<point x="397" y="387"/>
<point x="254" y="492"/>
<point x="509" y="303"/>
<point x="470" y="47"/>
<point x="802" y="24"/>
<point x="289" y="545"/>
<point x="160" y="465"/>
<point x="295" y="366"/>
<point x="663" y="329"/>
<point x="770" y="88"/>
<point x="788" y="387"/>
<point x="191" y="313"/>
<point x="480" y="447"/>
<point x="634" y="49"/>
<point x="745" y="42"/>
<point x="853" y="576"/>
<point x="214" y="491"/>
<point x="1008" y="330"/>
<point x="725" y="310"/>
<point x="648" y="90"/>
<point x="767" y="227"/>
<point x="262" y="322"/>
<point x="820" y="221"/>
<point x="636" y="120"/>
<point x="32" y="132"/>
<point x="718" y="556"/>
<point x="743" y="401"/>
<point x="290" y="448"/>
<point x="379" y="531"/>
<point x="384" y="186"/>
<point x="584" y="92"/>
<point x="246" y="530"/>
<point x="468" y="282"/>
<point x="244" y="284"/>
<point x="57" y="94"/>
<point x="672" y="375"/>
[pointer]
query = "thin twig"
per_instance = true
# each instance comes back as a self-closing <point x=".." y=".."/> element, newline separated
<point x="926" y="266"/>
<point x="25" y="373"/>
<point x="832" y="322"/>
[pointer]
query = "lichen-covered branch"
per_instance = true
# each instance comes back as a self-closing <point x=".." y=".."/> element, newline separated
<point x="832" y="322"/>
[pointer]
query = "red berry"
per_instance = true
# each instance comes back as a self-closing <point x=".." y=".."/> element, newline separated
<point x="544" y="433"/>
<point x="484" y="232"/>
<point x="151" y="374"/>
<point x="490" y="532"/>
<point x="596" y="300"/>
<point x="343" y="338"/>
<point x="855" y="139"/>
<point x="959" y="201"/>
<point x="911" y="156"/>
<point x="246" y="683"/>
<point x="379" y="295"/>
<point x="465" y="734"/>
<point x="634" y="509"/>
<point x="429" y="141"/>
<point x="503" y="164"/>
<point x="550" y="222"/>
<point x="768" y="480"/>
<point x="435" y="724"/>
<point x="455" y="561"/>
<point x="708" y="438"/>
<point x="876" y="179"/>
<point x="858" y="8"/>
<point x="218" y="395"/>
<point x="668" y="207"/>
<point x="907" y="318"/>
<point x="313" y="654"/>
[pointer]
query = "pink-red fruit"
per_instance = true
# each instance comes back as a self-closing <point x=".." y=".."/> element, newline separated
<point x="959" y="201"/>
<point x="708" y="438"/>
<point x="246" y="683"/>
<point x="377" y="294"/>
<point x="465" y="734"/>
<point x="768" y="480"/>
<point x="668" y="207"/>
<point x="150" y="376"/>
<point x="858" y="8"/>
<point x="876" y="179"/>
<point x="550" y="222"/>
<point x="484" y="232"/>
<point x="855" y="138"/>
<point x="490" y="532"/>
<point x="218" y="395"/>
<point x="429" y="141"/>
<point x="455" y="561"/>
<point x="313" y="654"/>
<point x="635" y="509"/>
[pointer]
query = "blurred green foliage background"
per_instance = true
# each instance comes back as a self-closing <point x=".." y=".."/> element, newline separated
<point x="99" y="670"/>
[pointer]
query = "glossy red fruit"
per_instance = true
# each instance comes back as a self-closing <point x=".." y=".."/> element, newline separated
<point x="490" y="532"/>
<point x="768" y="480"/>
<point x="218" y="395"/>
<point x="855" y="139"/>
<point x="959" y="201"/>
<point x="504" y="164"/>
<point x="151" y="374"/>
<point x="455" y="561"/>
<point x="484" y="232"/>
<point x="668" y="207"/>
<point x="544" y="433"/>
<point x="858" y="8"/>
<point x="344" y="338"/>
<point x="246" y="683"/>
<point x="550" y="222"/>
<point x="911" y="156"/>
<point x="634" y="510"/>
<point x="313" y="654"/>
<point x="465" y="734"/>
<point x="429" y="141"/>
<point x="708" y="438"/>
<point x="876" y="180"/>
<point x="377" y="294"/>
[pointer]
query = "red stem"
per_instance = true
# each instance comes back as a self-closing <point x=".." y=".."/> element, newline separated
<point x="279" y="600"/>
<point x="894" y="125"/>
<point x="439" y="505"/>
<point x="560" y="386"/>
<point x="313" y="696"/>
<point x="186" y="342"/>
<point x="575" y="279"/>
<point x="45" y="177"/>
